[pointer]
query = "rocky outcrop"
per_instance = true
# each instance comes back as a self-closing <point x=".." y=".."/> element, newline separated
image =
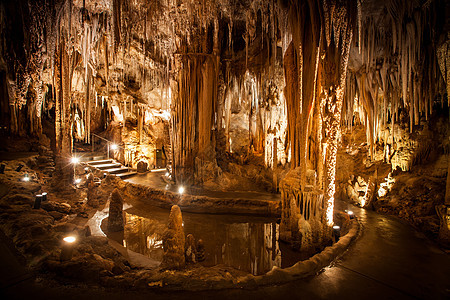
<point x="190" y="249"/>
<point x="142" y="167"/>
<point x="116" y="219"/>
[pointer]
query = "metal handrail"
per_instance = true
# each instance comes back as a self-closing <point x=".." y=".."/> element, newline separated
<point x="93" y="134"/>
<point x="108" y="142"/>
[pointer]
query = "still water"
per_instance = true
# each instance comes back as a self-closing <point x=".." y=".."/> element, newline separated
<point x="243" y="242"/>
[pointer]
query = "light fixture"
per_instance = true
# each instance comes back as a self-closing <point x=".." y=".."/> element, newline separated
<point x="114" y="146"/>
<point x="336" y="232"/>
<point x="44" y="196"/>
<point x="26" y="178"/>
<point x="37" y="202"/>
<point x="69" y="239"/>
<point x="67" y="248"/>
<point x="351" y="214"/>
<point x="181" y="190"/>
<point x="167" y="174"/>
<point x="75" y="160"/>
<point x="77" y="180"/>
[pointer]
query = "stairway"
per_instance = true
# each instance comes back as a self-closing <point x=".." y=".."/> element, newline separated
<point x="106" y="165"/>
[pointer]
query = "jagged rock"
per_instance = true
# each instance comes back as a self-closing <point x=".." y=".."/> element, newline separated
<point x="92" y="199"/>
<point x="174" y="241"/>
<point x="116" y="219"/>
<point x="56" y="215"/>
<point x="142" y="167"/>
<point x="190" y="249"/>
<point x="56" y="206"/>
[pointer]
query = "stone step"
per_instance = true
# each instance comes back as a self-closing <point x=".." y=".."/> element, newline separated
<point x="117" y="170"/>
<point x="94" y="163"/>
<point x="107" y="166"/>
<point x="127" y="174"/>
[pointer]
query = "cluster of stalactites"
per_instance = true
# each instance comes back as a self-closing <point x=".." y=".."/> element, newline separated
<point x="399" y="73"/>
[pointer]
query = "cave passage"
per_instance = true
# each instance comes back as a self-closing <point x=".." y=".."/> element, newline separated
<point x="179" y="145"/>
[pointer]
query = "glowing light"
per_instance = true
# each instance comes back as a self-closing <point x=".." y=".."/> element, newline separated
<point x="77" y="180"/>
<point x="350" y="213"/>
<point x="335" y="227"/>
<point x="69" y="239"/>
<point x="117" y="115"/>
<point x="181" y="190"/>
<point x="75" y="160"/>
<point x="114" y="147"/>
<point x="167" y="174"/>
<point x="26" y="178"/>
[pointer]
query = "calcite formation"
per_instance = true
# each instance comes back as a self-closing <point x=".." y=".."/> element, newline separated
<point x="174" y="241"/>
<point x="116" y="219"/>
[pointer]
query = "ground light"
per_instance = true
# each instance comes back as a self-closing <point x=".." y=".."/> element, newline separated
<point x="44" y="196"/>
<point x="77" y="181"/>
<point x="336" y="232"/>
<point x="351" y="214"/>
<point x="181" y="190"/>
<point x="75" y="160"/>
<point x="67" y="248"/>
<point x="114" y="146"/>
<point x="37" y="202"/>
<point x="26" y="178"/>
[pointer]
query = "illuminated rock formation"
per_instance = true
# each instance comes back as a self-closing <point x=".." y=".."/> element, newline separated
<point x="174" y="241"/>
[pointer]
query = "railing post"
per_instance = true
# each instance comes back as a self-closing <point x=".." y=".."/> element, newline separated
<point x="107" y="153"/>
<point x="92" y="142"/>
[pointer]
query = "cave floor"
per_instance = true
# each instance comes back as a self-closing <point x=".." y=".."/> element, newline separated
<point x="389" y="260"/>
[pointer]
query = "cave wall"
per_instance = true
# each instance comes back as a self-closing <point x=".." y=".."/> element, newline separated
<point x="275" y="80"/>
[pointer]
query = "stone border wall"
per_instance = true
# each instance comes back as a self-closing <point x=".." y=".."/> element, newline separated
<point x="200" y="204"/>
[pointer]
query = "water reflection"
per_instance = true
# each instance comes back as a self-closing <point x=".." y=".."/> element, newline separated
<point x="144" y="236"/>
<point x="246" y="243"/>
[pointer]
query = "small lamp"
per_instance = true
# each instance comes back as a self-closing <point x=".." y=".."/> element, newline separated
<point x="351" y="215"/>
<point x="181" y="189"/>
<point x="67" y="248"/>
<point x="336" y="233"/>
<point x="37" y="202"/>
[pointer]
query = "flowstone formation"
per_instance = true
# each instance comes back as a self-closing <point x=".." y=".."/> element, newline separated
<point x="174" y="241"/>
